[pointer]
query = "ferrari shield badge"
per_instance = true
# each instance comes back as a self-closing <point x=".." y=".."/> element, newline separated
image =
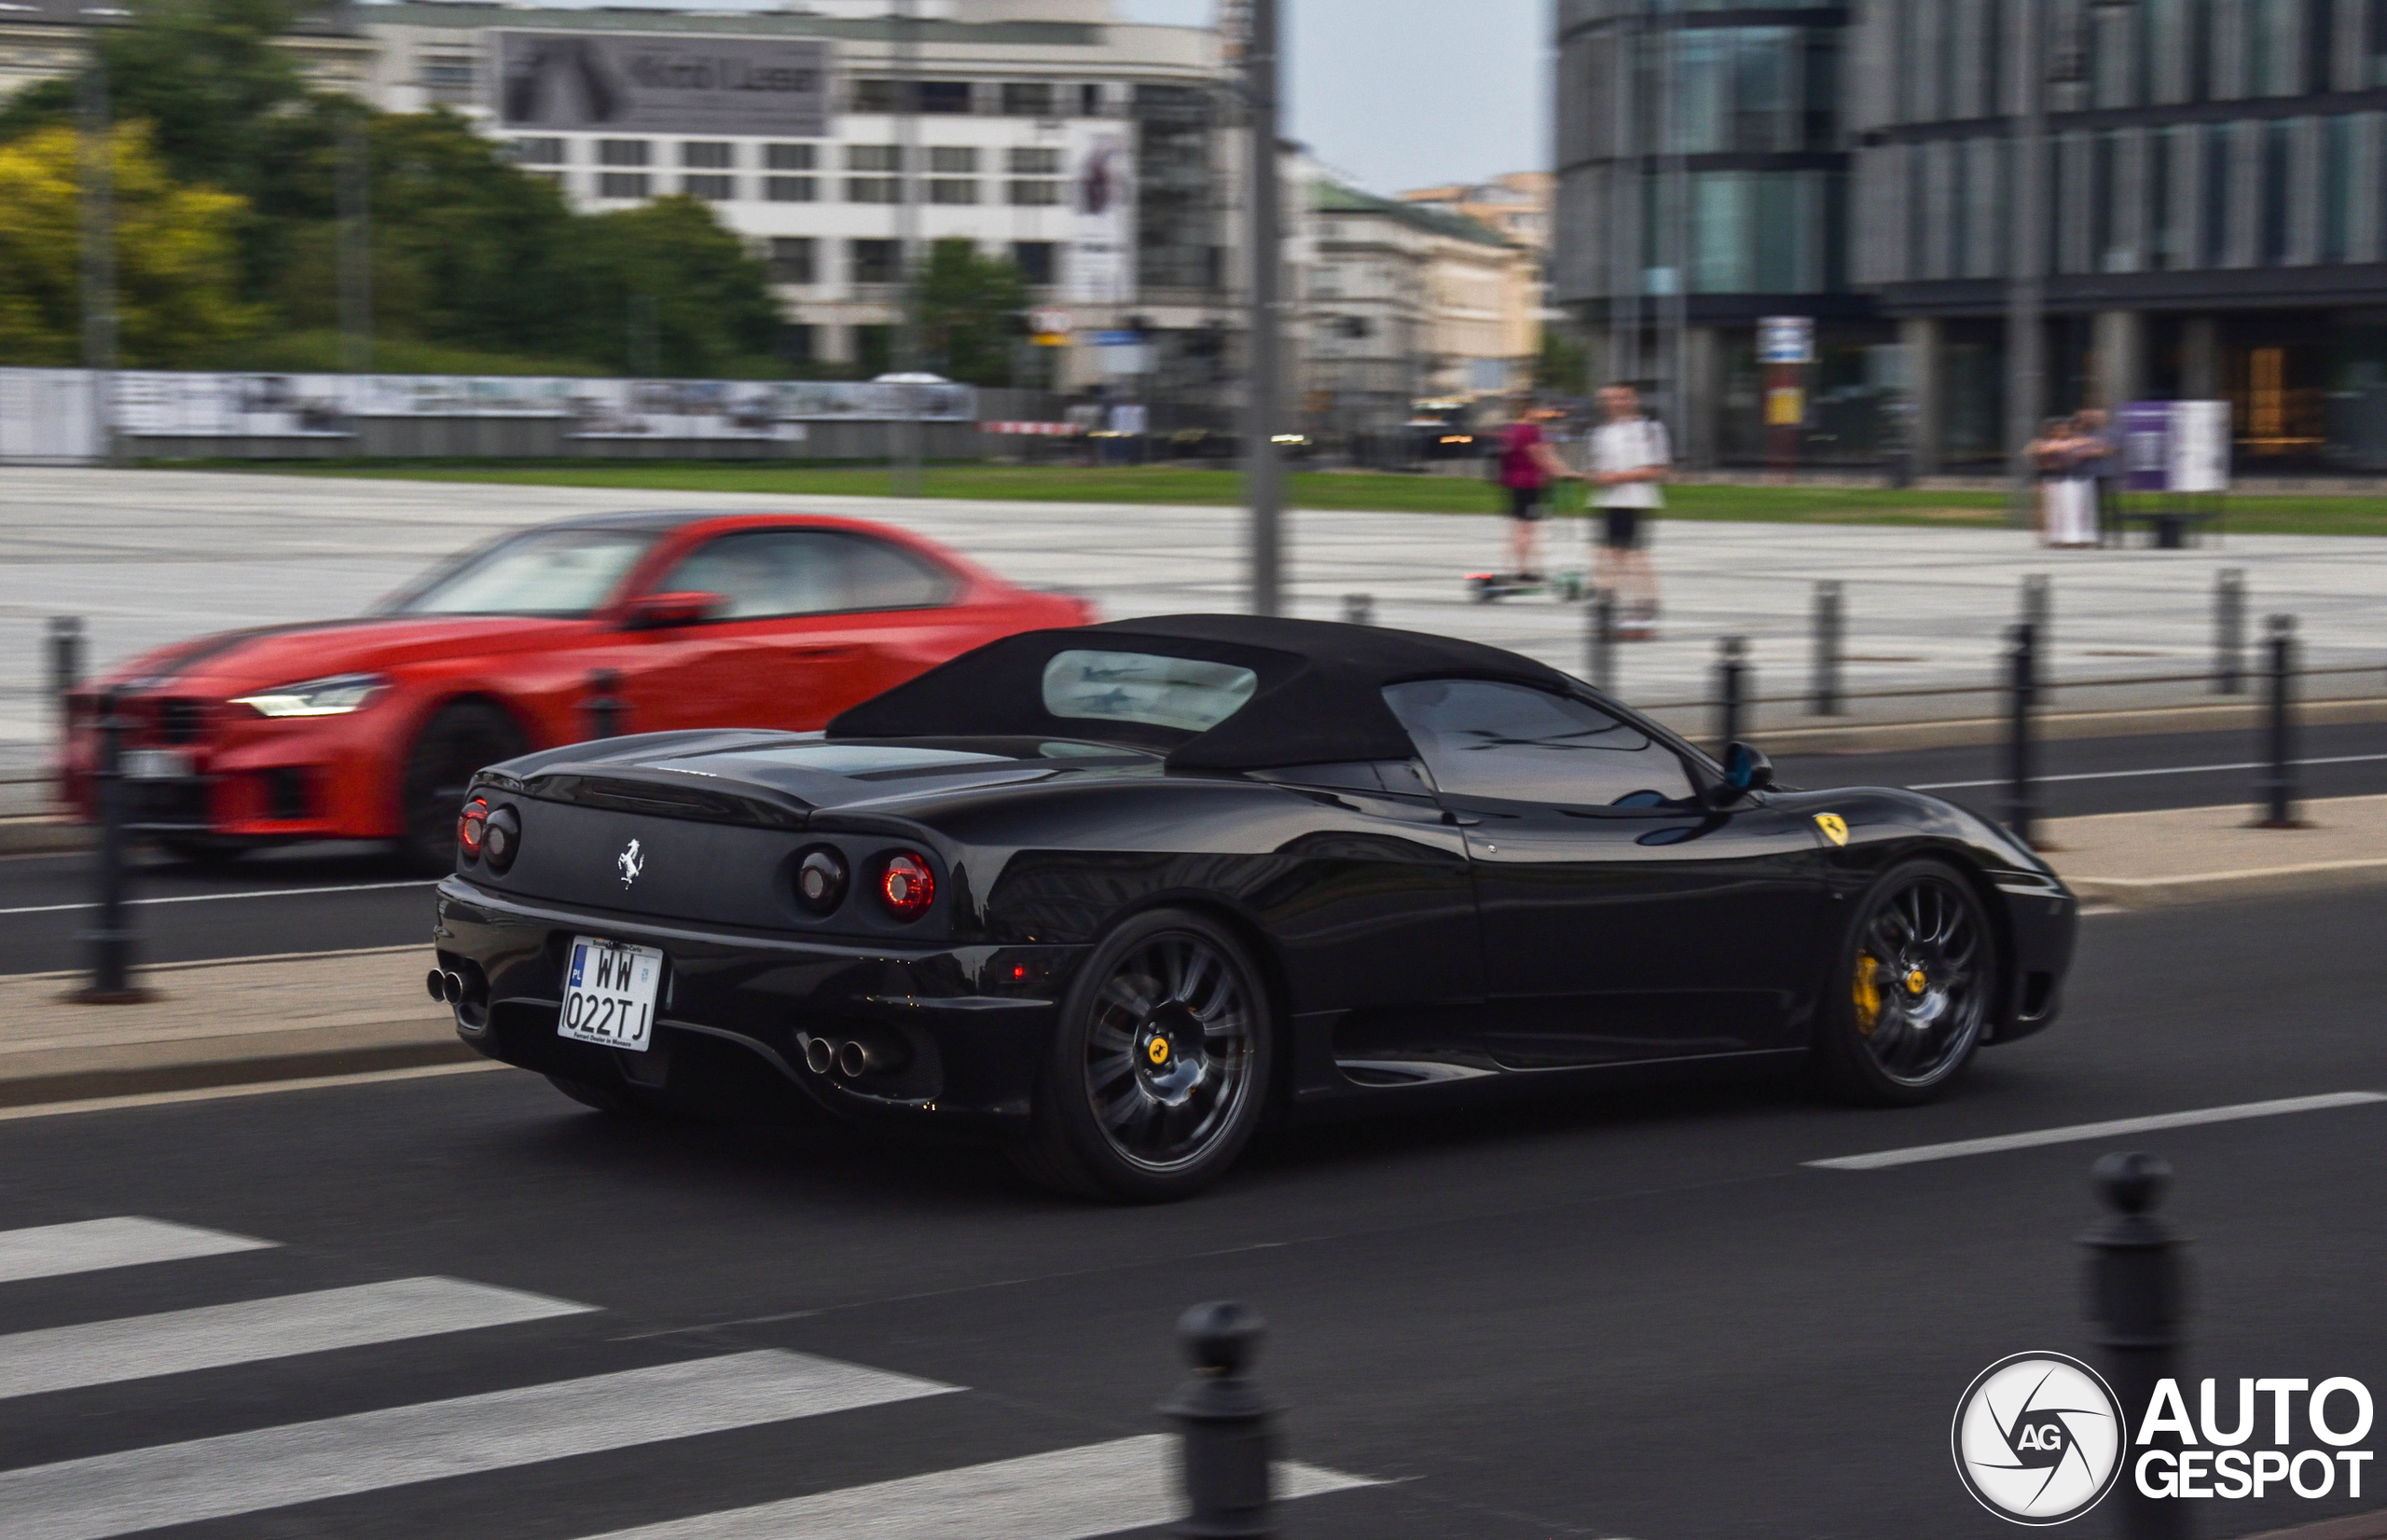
<point x="1835" y="828"/>
<point x="632" y="860"/>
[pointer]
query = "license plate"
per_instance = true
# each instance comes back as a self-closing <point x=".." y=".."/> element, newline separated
<point x="609" y="993"/>
<point x="157" y="764"/>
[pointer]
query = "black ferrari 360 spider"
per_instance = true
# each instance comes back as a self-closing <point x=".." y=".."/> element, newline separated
<point x="1116" y="894"/>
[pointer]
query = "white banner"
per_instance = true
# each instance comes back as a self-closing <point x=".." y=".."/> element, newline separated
<point x="1101" y="268"/>
<point x="46" y="413"/>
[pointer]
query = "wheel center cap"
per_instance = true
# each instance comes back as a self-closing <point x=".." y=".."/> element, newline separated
<point x="1916" y="980"/>
<point x="1157" y="1051"/>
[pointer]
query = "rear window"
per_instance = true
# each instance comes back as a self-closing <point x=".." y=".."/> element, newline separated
<point x="1185" y="693"/>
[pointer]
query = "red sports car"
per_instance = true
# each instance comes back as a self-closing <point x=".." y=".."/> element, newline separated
<point x="368" y="729"/>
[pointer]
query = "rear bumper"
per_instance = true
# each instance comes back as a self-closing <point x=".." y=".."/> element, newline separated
<point x="959" y="1033"/>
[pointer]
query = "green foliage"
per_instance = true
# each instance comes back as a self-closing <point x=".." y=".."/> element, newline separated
<point x="1563" y="365"/>
<point x="324" y="352"/>
<point x="467" y="251"/>
<point x="970" y="307"/>
<point x="177" y="299"/>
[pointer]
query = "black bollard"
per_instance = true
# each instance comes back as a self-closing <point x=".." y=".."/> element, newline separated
<point x="1828" y="649"/>
<point x="2278" y="782"/>
<point x="2137" y="1310"/>
<point x="65" y="662"/>
<point x="2021" y="699"/>
<point x="1599" y="642"/>
<point x="109" y="942"/>
<point x="2039" y="606"/>
<point x="1226" y="1425"/>
<point x="1359" y="609"/>
<point x="604" y="706"/>
<point x="2229" y="632"/>
<point x="1732" y="691"/>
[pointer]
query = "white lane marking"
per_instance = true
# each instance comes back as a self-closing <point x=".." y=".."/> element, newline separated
<point x="111" y="1494"/>
<point x="105" y="1353"/>
<point x="1069" y="1495"/>
<point x="263" y="1088"/>
<point x="219" y="898"/>
<point x="87" y="1246"/>
<point x="2163" y="770"/>
<point x="2078" y="1131"/>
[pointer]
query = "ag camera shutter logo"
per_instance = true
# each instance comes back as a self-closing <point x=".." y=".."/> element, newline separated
<point x="2039" y="1439"/>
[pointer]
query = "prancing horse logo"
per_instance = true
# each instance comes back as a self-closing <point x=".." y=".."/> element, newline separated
<point x="630" y="862"/>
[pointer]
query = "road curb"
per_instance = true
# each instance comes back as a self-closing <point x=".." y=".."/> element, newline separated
<point x="2213" y="886"/>
<point x="42" y="835"/>
<point x="136" y="1079"/>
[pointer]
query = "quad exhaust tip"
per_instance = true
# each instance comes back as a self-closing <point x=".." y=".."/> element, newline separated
<point x="819" y="1057"/>
<point x="849" y="1060"/>
<point x="447" y="985"/>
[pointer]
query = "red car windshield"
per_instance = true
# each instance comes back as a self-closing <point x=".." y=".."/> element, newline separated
<point x="562" y="574"/>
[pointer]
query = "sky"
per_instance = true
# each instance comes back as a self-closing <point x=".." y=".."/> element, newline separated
<point x="1398" y="93"/>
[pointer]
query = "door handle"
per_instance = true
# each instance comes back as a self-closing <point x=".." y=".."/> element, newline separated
<point x="1464" y="820"/>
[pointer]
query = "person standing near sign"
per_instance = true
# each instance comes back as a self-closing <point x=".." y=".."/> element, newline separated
<point x="1630" y="459"/>
<point x="1527" y="467"/>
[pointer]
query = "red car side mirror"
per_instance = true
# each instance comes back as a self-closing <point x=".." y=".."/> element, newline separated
<point x="658" y="611"/>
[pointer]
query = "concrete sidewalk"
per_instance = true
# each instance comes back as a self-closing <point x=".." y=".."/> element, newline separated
<point x="264" y="1019"/>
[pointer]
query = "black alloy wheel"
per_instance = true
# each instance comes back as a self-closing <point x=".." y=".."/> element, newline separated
<point x="459" y="739"/>
<point x="1159" y="1067"/>
<point x="1914" y="991"/>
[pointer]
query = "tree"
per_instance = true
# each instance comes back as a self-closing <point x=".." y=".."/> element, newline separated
<point x="970" y="307"/>
<point x="713" y="311"/>
<point x="1563" y="365"/>
<point x="177" y="291"/>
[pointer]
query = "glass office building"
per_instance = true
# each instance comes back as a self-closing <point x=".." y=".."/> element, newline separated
<point x="2216" y="219"/>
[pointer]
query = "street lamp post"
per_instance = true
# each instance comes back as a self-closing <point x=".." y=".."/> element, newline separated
<point x="1263" y="486"/>
<point x="909" y="266"/>
<point x="97" y="167"/>
<point x="2025" y="295"/>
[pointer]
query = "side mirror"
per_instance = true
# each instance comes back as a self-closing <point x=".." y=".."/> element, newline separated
<point x="661" y="611"/>
<point x="1746" y="769"/>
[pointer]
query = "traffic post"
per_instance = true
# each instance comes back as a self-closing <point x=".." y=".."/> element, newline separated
<point x="1225" y="1426"/>
<point x="109" y="942"/>
<point x="1359" y="609"/>
<point x="1828" y="649"/>
<point x="1732" y="691"/>
<point x="2229" y="632"/>
<point x="2278" y="782"/>
<point x="2021" y="699"/>
<point x="1599" y="642"/>
<point x="605" y="708"/>
<point x="65" y="662"/>
<point x="2039" y="606"/>
<point x="2137" y="1312"/>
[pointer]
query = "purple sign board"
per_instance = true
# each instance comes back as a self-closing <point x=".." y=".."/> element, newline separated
<point x="2145" y="430"/>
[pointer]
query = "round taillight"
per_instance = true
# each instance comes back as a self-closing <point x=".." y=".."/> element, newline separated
<point x="501" y="838"/>
<point x="820" y="880"/>
<point x="472" y="827"/>
<point x="907" y="885"/>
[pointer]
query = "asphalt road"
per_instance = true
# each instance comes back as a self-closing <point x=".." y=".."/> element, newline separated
<point x="355" y="896"/>
<point x="1633" y="1314"/>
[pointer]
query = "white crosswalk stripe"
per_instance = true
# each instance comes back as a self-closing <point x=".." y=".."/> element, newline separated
<point x="88" y="1246"/>
<point x="111" y="1494"/>
<point x="213" y="1336"/>
<point x="1069" y="1495"/>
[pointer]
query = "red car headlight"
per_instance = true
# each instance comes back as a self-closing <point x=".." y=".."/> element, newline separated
<point x="906" y="886"/>
<point x="472" y="827"/>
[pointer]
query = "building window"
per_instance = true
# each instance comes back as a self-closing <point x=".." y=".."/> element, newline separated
<point x="622" y="152"/>
<point x="795" y="259"/>
<point x="1032" y="160"/>
<point x="1028" y="99"/>
<point x="539" y="152"/>
<point x="621" y="184"/>
<point x="792" y="189"/>
<point x="874" y="158"/>
<point x="953" y="162"/>
<point x="946" y="97"/>
<point x="1089" y="101"/>
<point x="873" y="96"/>
<point x="713" y="189"/>
<point x="448" y="77"/>
<point x="1035" y="195"/>
<point x="1037" y="262"/>
<point x="798" y="344"/>
<point x="790" y="158"/>
<point x="874" y="190"/>
<point x="956" y="189"/>
<point x="708" y="155"/>
<point x="876" y="261"/>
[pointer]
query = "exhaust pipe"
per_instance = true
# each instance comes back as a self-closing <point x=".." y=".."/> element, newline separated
<point x="451" y="985"/>
<point x="819" y="1057"/>
<point x="438" y="983"/>
<point x="858" y="1057"/>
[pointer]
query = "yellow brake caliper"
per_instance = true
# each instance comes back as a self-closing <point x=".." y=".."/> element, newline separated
<point x="1867" y="992"/>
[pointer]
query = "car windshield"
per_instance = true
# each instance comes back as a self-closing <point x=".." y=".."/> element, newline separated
<point x="562" y="574"/>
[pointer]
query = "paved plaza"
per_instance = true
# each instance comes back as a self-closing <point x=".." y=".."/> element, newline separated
<point x="147" y="557"/>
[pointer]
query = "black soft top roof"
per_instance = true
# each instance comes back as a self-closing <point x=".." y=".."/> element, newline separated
<point x="1320" y="698"/>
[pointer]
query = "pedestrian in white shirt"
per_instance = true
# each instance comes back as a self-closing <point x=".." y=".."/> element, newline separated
<point x="1630" y="459"/>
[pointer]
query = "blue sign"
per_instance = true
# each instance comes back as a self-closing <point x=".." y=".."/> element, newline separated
<point x="1118" y="339"/>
